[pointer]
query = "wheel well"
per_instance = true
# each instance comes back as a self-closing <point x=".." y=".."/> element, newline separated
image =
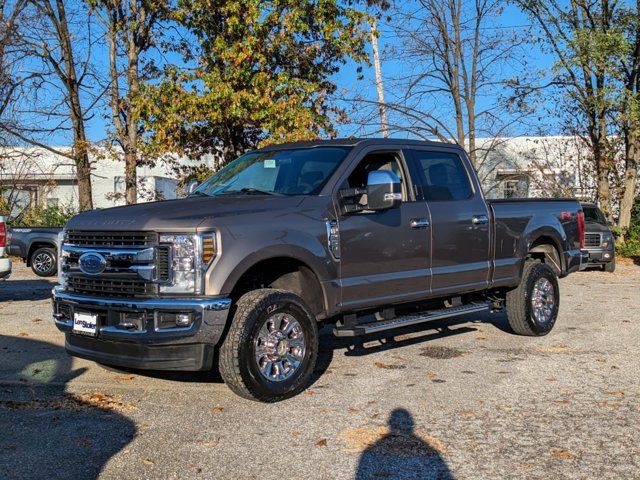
<point x="286" y="274"/>
<point x="545" y="250"/>
<point x="35" y="246"/>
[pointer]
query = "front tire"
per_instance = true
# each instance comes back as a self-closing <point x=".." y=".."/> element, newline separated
<point x="271" y="348"/>
<point x="532" y="307"/>
<point x="610" y="266"/>
<point x="44" y="262"/>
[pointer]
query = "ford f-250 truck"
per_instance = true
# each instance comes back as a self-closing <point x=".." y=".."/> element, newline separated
<point x="370" y="235"/>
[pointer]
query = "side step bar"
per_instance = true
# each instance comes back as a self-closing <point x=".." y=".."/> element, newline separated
<point x="382" y="325"/>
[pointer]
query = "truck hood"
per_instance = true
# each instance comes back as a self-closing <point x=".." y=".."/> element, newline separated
<point x="182" y="215"/>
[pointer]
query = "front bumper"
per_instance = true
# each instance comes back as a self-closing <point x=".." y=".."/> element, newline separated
<point x="600" y="256"/>
<point x="130" y="334"/>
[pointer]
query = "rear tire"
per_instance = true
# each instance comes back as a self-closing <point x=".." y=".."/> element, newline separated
<point x="610" y="267"/>
<point x="532" y="307"/>
<point x="271" y="348"/>
<point x="44" y="262"/>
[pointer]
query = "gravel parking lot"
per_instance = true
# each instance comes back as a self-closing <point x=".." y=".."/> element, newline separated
<point x="457" y="399"/>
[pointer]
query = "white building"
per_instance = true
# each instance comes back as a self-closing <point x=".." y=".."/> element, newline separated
<point x="508" y="167"/>
<point x="37" y="176"/>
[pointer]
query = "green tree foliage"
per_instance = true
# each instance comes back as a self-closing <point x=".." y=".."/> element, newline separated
<point x="38" y="216"/>
<point x="262" y="73"/>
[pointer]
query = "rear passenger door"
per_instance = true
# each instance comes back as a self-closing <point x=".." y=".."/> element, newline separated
<point x="460" y="233"/>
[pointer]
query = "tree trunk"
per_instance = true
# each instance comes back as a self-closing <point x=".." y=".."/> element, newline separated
<point x="630" y="178"/>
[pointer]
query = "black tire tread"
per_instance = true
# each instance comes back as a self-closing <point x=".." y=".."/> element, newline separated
<point x="229" y="361"/>
<point x="53" y="253"/>
<point x="610" y="266"/>
<point x="518" y="300"/>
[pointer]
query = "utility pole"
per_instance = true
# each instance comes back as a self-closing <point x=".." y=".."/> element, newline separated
<point x="379" y="86"/>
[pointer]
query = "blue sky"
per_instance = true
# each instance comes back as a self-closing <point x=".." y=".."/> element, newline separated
<point x="347" y="80"/>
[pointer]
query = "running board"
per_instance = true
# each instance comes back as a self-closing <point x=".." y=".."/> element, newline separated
<point x="382" y="325"/>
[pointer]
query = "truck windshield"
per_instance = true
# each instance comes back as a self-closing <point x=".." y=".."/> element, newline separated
<point x="593" y="214"/>
<point x="277" y="172"/>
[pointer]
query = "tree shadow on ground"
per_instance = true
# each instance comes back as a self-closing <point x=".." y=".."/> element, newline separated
<point x="48" y="432"/>
<point x="401" y="451"/>
<point x="21" y="290"/>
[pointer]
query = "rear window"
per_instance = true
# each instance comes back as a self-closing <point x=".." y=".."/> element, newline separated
<point x="441" y="176"/>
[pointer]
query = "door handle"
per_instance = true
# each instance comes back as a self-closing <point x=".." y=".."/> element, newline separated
<point x="480" y="220"/>
<point x="419" y="223"/>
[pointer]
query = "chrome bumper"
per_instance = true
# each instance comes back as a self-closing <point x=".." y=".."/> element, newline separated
<point x="147" y="345"/>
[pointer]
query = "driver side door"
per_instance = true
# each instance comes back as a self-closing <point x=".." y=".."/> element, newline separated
<point x="384" y="255"/>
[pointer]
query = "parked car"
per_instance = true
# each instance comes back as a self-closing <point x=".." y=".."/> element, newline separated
<point x="5" y="261"/>
<point x="369" y="235"/>
<point x="598" y="239"/>
<point x="38" y="247"/>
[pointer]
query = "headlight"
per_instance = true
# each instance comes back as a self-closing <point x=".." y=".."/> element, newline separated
<point x="192" y="254"/>
<point x="62" y="256"/>
<point x="607" y="238"/>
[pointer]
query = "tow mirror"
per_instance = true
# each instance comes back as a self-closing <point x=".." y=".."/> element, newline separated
<point x="384" y="190"/>
<point x="191" y="186"/>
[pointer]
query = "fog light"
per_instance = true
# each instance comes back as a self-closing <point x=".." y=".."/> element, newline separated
<point x="183" y="319"/>
<point x="606" y="255"/>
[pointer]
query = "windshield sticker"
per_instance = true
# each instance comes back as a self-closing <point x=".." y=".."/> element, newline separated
<point x="270" y="163"/>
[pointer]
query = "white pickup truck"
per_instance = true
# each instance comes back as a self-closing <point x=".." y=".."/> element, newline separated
<point x="5" y="262"/>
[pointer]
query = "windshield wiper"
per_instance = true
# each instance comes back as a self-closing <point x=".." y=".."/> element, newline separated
<point x="251" y="191"/>
<point x="198" y="193"/>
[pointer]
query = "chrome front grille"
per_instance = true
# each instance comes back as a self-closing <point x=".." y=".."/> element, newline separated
<point x="132" y="263"/>
<point x="111" y="287"/>
<point x="592" y="239"/>
<point x="111" y="239"/>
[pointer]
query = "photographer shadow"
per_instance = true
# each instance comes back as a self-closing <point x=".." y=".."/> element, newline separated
<point x="402" y="453"/>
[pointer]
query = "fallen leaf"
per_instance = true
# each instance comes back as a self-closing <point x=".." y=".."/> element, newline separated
<point x="431" y="374"/>
<point x="387" y="366"/>
<point x="36" y="320"/>
<point x="562" y="454"/>
<point x="310" y="392"/>
<point x="504" y="408"/>
<point x="23" y="334"/>
<point x="615" y="392"/>
<point x="562" y="401"/>
<point x="608" y="404"/>
<point x="552" y="379"/>
<point x="481" y="338"/>
<point x="466" y="413"/>
<point x="295" y="433"/>
<point x="126" y="378"/>
<point x="217" y="409"/>
<point x="146" y="461"/>
<point x="211" y="443"/>
<point x="354" y="410"/>
<point x="321" y="443"/>
<point x="526" y="466"/>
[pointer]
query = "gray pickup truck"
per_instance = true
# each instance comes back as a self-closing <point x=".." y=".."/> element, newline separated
<point x="37" y="246"/>
<point x="367" y="235"/>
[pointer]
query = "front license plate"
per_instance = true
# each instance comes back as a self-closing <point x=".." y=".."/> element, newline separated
<point x="85" y="323"/>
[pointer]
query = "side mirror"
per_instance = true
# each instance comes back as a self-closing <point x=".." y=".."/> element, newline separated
<point x="191" y="186"/>
<point x="384" y="190"/>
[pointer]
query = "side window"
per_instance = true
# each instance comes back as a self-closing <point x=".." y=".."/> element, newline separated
<point x="441" y="176"/>
<point x="376" y="161"/>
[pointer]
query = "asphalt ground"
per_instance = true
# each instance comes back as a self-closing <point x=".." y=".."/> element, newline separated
<point x="462" y="399"/>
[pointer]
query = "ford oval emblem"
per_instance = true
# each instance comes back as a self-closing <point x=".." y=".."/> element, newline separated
<point x="92" y="263"/>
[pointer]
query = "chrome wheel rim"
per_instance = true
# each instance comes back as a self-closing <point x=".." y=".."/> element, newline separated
<point x="279" y="347"/>
<point x="543" y="301"/>
<point x="42" y="262"/>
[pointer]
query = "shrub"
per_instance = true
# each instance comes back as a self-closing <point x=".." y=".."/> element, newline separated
<point x="44" y="217"/>
<point x="631" y="245"/>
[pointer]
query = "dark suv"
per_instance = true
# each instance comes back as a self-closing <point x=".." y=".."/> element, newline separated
<point x="598" y="239"/>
